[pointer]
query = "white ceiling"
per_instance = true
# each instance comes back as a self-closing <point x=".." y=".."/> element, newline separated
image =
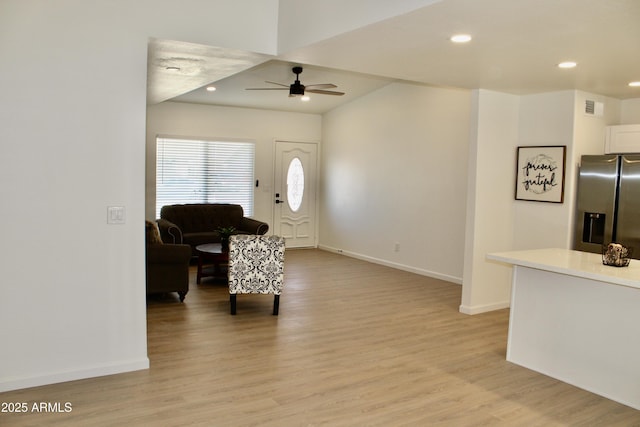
<point x="231" y="91"/>
<point x="516" y="47"/>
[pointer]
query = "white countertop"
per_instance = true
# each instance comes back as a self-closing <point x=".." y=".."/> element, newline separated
<point x="573" y="263"/>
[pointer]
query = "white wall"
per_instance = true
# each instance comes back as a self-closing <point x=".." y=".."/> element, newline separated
<point x="261" y="126"/>
<point x="394" y="171"/>
<point x="630" y="114"/>
<point x="589" y="130"/>
<point x="558" y="118"/>
<point x="491" y="188"/>
<point x="545" y="119"/>
<point x="72" y="112"/>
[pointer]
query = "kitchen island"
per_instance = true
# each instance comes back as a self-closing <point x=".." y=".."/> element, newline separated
<point x="574" y="319"/>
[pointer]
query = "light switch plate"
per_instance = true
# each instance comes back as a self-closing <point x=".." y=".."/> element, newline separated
<point x="116" y="215"/>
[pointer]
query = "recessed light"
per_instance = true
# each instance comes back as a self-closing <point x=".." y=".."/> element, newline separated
<point x="172" y="68"/>
<point x="461" y="38"/>
<point x="211" y="88"/>
<point x="634" y="84"/>
<point x="567" y="64"/>
<point x="305" y="98"/>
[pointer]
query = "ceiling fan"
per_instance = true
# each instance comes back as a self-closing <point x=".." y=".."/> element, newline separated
<point x="298" y="89"/>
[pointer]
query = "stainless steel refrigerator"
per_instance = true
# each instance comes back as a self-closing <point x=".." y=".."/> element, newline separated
<point x="608" y="203"/>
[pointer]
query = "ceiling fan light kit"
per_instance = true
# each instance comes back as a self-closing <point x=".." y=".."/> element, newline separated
<point x="298" y="89"/>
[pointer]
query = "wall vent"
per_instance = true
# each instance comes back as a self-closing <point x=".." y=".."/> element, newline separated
<point x="593" y="108"/>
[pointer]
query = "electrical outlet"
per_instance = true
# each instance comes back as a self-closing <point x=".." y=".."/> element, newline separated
<point x="396" y="248"/>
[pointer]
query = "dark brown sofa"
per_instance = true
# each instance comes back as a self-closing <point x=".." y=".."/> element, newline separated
<point x="196" y="224"/>
<point x="167" y="265"/>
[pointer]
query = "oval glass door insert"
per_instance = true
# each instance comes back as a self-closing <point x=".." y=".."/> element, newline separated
<point x="295" y="184"/>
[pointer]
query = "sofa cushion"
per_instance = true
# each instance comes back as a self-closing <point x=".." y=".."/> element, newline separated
<point x="195" y="218"/>
<point x="152" y="233"/>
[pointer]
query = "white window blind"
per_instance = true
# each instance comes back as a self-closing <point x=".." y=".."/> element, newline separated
<point x="200" y="171"/>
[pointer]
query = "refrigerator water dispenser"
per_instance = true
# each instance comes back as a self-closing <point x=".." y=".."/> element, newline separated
<point x="593" y="227"/>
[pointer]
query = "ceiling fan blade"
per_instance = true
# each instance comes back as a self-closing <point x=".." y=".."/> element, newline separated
<point x="322" y="86"/>
<point x="325" y="92"/>
<point x="266" y="88"/>
<point x="274" y="83"/>
<point x="282" y="86"/>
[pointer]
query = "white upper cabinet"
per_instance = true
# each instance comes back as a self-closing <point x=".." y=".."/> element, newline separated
<point x="622" y="139"/>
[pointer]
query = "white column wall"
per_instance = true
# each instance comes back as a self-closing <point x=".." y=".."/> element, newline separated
<point x="490" y="193"/>
<point x="546" y="119"/>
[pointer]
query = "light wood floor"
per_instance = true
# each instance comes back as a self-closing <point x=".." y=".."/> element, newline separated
<point x="356" y="344"/>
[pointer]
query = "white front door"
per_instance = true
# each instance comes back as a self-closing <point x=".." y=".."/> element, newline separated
<point x="295" y="193"/>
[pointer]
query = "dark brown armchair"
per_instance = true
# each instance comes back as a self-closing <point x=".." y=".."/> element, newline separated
<point x="167" y="265"/>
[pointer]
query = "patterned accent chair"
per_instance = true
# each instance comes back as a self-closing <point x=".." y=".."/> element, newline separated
<point x="256" y="266"/>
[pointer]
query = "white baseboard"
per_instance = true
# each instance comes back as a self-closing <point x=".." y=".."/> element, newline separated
<point x="477" y="309"/>
<point x="59" y="377"/>
<point x="420" y="271"/>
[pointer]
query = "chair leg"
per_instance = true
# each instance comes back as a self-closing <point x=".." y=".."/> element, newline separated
<point x="232" y="303"/>
<point x="276" y="304"/>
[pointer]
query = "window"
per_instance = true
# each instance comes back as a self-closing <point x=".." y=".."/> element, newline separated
<point x="295" y="184"/>
<point x="200" y="171"/>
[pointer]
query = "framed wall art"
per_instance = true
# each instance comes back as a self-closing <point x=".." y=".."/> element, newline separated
<point x="540" y="173"/>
